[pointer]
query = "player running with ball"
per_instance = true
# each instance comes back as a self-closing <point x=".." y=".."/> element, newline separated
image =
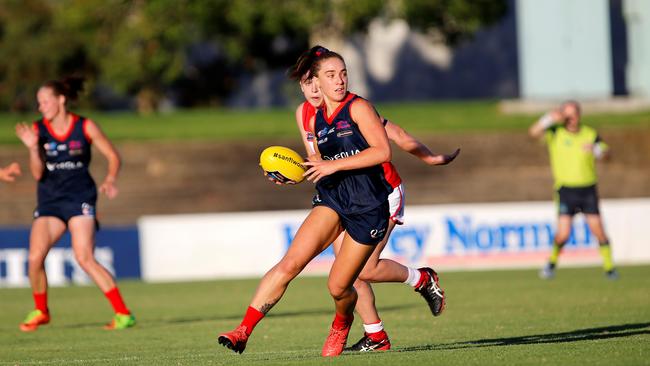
<point x="423" y="280"/>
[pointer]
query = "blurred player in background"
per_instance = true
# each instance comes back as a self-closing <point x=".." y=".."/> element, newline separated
<point x="573" y="149"/>
<point x="10" y="172"/>
<point x="59" y="147"/>
<point x="423" y="280"/>
<point x="352" y="196"/>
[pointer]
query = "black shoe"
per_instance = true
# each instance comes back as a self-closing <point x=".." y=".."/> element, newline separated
<point x="431" y="291"/>
<point x="612" y="274"/>
<point x="366" y="344"/>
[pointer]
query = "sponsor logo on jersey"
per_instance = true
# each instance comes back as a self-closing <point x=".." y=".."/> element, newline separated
<point x="341" y="155"/>
<point x="322" y="141"/>
<point x="342" y="125"/>
<point x="51" y="153"/>
<point x="64" y="165"/>
<point x="325" y="131"/>
<point x="62" y="147"/>
<point x="75" y="144"/>
<point x="344" y="133"/>
<point x="75" y="152"/>
<point x="49" y="146"/>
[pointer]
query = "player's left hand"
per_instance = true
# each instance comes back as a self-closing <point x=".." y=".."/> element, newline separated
<point x="446" y="159"/>
<point x="442" y="159"/>
<point x="109" y="188"/>
<point x="319" y="169"/>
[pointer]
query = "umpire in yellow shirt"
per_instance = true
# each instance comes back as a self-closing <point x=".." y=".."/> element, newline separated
<point x="573" y="149"/>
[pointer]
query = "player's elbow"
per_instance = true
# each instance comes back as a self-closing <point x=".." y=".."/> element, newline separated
<point x="385" y="154"/>
<point x="114" y="158"/>
<point x="37" y="174"/>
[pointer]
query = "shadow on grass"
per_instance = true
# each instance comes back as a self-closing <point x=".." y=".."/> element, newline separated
<point x="614" y="331"/>
<point x="280" y="314"/>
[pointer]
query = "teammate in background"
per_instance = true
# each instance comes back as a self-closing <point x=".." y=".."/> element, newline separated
<point x="10" y="172"/>
<point x="59" y="147"/>
<point x="573" y="149"/>
<point x="423" y="280"/>
<point x="352" y="196"/>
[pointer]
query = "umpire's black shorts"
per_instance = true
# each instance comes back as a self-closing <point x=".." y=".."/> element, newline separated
<point x="572" y="200"/>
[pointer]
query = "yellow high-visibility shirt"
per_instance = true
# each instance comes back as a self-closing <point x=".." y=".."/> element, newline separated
<point x="572" y="159"/>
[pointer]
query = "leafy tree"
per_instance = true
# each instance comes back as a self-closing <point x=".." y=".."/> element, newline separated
<point x="141" y="47"/>
<point x="36" y="45"/>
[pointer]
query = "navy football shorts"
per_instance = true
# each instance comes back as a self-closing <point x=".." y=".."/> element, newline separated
<point x="581" y="199"/>
<point x="368" y="228"/>
<point x="67" y="210"/>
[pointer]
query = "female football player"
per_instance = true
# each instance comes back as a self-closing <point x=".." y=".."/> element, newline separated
<point x="352" y="145"/>
<point x="423" y="280"/>
<point x="59" y="154"/>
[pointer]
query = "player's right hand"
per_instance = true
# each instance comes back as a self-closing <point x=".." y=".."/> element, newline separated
<point x="271" y="179"/>
<point x="557" y="115"/>
<point x="10" y="172"/>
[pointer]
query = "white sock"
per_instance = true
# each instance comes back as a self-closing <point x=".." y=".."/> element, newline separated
<point x="373" y="328"/>
<point x="414" y="277"/>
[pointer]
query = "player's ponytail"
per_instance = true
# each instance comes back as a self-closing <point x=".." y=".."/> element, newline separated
<point x="69" y="86"/>
<point x="308" y="63"/>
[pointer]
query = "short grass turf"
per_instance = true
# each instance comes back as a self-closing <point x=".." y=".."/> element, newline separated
<point x="224" y="124"/>
<point x="492" y="318"/>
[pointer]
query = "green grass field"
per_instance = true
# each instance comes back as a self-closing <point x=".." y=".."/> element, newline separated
<point x="492" y="318"/>
<point x="229" y="124"/>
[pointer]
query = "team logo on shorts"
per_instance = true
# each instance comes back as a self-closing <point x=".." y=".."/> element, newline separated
<point x="87" y="209"/>
<point x="564" y="208"/>
<point x="375" y="234"/>
<point x="316" y="200"/>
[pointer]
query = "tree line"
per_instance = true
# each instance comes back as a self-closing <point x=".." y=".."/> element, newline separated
<point x="195" y="49"/>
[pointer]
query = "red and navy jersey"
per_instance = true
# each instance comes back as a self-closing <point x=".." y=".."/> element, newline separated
<point x="309" y="111"/>
<point x="66" y="158"/>
<point x="347" y="191"/>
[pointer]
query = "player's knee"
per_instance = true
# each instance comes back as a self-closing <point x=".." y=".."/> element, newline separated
<point x="337" y="291"/>
<point x="289" y="267"/>
<point x="368" y="274"/>
<point x="36" y="260"/>
<point x="84" y="260"/>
